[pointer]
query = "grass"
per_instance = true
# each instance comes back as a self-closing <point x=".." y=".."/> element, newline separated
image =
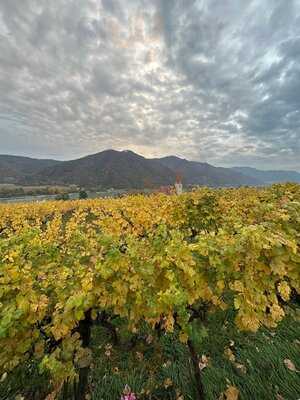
<point x="162" y="369"/>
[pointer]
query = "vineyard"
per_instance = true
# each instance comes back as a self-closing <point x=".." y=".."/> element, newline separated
<point x="142" y="270"/>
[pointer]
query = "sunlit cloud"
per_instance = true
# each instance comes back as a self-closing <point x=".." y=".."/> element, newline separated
<point x="206" y="80"/>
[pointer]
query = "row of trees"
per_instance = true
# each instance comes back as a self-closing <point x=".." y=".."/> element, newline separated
<point x="14" y="191"/>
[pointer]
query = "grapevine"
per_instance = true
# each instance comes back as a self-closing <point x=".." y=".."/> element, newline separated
<point x="157" y="259"/>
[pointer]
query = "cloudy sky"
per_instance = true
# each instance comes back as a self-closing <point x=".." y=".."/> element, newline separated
<point x="209" y="80"/>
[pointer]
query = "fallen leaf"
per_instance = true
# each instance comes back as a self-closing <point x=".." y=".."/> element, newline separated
<point x="279" y="397"/>
<point x="231" y="393"/>
<point x="167" y="364"/>
<point x="108" y="353"/>
<point x="139" y="355"/>
<point x="127" y="390"/>
<point x="19" y="397"/>
<point x="167" y="383"/>
<point x="241" y="368"/>
<point x="3" y="377"/>
<point x="149" y="339"/>
<point x="290" y="365"/>
<point x="229" y="355"/>
<point x="204" y="361"/>
<point x="179" y="396"/>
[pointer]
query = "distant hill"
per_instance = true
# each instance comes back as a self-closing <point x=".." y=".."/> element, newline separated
<point x="198" y="173"/>
<point x="269" y="177"/>
<point x="17" y="169"/>
<point x="126" y="169"/>
<point x="108" y="169"/>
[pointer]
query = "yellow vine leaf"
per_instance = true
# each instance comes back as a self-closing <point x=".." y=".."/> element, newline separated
<point x="284" y="290"/>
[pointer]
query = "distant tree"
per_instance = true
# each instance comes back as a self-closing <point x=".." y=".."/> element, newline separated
<point x="63" y="196"/>
<point x="83" y="194"/>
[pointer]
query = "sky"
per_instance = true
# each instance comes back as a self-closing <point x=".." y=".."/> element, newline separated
<point x="216" y="81"/>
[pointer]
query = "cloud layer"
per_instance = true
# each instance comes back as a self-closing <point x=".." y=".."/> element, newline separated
<point x="209" y="80"/>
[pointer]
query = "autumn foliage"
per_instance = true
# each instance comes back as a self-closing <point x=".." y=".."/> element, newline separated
<point x="159" y="258"/>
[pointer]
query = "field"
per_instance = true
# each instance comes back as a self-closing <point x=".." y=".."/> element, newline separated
<point x="180" y="297"/>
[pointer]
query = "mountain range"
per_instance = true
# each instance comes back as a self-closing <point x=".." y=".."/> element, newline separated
<point x="269" y="177"/>
<point x="126" y="169"/>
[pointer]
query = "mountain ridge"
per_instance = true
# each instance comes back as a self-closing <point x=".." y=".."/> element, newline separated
<point x="198" y="173"/>
<point x="269" y="176"/>
<point x="109" y="168"/>
<point x="126" y="169"/>
<point x="15" y="168"/>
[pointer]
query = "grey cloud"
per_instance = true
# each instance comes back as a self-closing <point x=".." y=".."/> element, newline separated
<point x="228" y="51"/>
<point x="204" y="79"/>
